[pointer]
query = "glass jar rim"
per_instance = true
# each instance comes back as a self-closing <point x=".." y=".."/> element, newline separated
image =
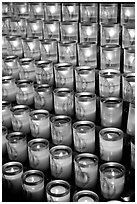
<point x="40" y="111"/>
<point x="11" y="136"/>
<point x="18" y="107"/>
<point x="6" y="165"/>
<point x="32" y="172"/>
<point x="43" y="63"/>
<point x="116" y="131"/>
<point x="62" y="117"/>
<point x="63" y="65"/>
<point x="87" y="193"/>
<point x="109" y="73"/>
<point x="61" y="147"/>
<point x="114" y="100"/>
<point x="59" y="91"/>
<point x="84" y="68"/>
<point x="82" y="123"/>
<point x="90" y="156"/>
<point x="9" y="58"/>
<point x="38" y="140"/>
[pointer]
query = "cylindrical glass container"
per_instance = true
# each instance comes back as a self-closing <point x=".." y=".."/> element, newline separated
<point x="111" y="144"/>
<point x="64" y="75"/>
<point x="43" y="98"/>
<point x="85" y="196"/>
<point x="38" y="153"/>
<point x="58" y="191"/>
<point x="111" y="110"/>
<point x="87" y="54"/>
<point x="61" y="162"/>
<point x="40" y="124"/>
<point x="70" y="11"/>
<point x="22" y="22"/>
<point x="14" y="29"/>
<point x="108" y="13"/>
<point x="6" y="114"/>
<point x="25" y="92"/>
<point x="109" y="83"/>
<point x="52" y="30"/>
<point x="84" y="136"/>
<point x="69" y="31"/>
<point x="132" y="144"/>
<point x="17" y="146"/>
<point x="20" y="118"/>
<point x="61" y="130"/>
<point x="86" y="171"/>
<point x="67" y="52"/>
<point x="33" y="185"/>
<point x="128" y="13"/>
<point x="85" y="106"/>
<point x="35" y="28"/>
<point x="15" y="44"/>
<point x="37" y="9"/>
<point x="128" y="36"/>
<point x="110" y="56"/>
<point x="129" y="60"/>
<point x="6" y="9"/>
<point x="52" y="11"/>
<point x="4" y="140"/>
<point x="44" y="72"/>
<point x="85" y="79"/>
<point x="11" y="66"/>
<point x="131" y="120"/>
<point x="22" y="9"/>
<point x="89" y="12"/>
<point x="112" y="180"/>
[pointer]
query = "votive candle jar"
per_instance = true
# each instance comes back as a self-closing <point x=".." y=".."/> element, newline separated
<point x="52" y="11"/>
<point x="38" y="153"/>
<point x="61" y="162"/>
<point x="44" y="72"/>
<point x="15" y="44"/>
<point x="64" y="75"/>
<point x="112" y="180"/>
<point x="111" y="144"/>
<point x="70" y="11"/>
<point x="128" y="36"/>
<point x="22" y="9"/>
<point x="40" y="124"/>
<point x="14" y="27"/>
<point x="37" y="10"/>
<point x="108" y="13"/>
<point x="129" y="60"/>
<point x="43" y="98"/>
<point x="132" y="147"/>
<point x="110" y="56"/>
<point x="20" y="118"/>
<point x="86" y="171"/>
<point x="63" y="101"/>
<point x="11" y="176"/>
<point x="11" y="66"/>
<point x="4" y="140"/>
<point x="128" y="13"/>
<point x="85" y="106"/>
<point x="131" y="120"/>
<point x="22" y="22"/>
<point x="6" y="9"/>
<point x="84" y="136"/>
<point x="69" y="31"/>
<point x="25" y="92"/>
<point x="35" y="28"/>
<point x="58" y="191"/>
<point x="85" y="78"/>
<point x="17" y="146"/>
<point x="109" y="83"/>
<point x="89" y="12"/>
<point x="6" y="114"/>
<point x="111" y="110"/>
<point x="61" y="130"/>
<point x="33" y="185"/>
<point x="52" y="30"/>
<point x="85" y="196"/>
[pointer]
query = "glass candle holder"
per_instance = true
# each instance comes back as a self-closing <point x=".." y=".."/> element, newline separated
<point x="85" y="196"/>
<point x="109" y="83"/>
<point x="6" y="114"/>
<point x="35" y="28"/>
<point x="131" y="120"/>
<point x="37" y="10"/>
<point x="15" y="44"/>
<point x="22" y="22"/>
<point x="5" y="28"/>
<point x="70" y="11"/>
<point x="85" y="106"/>
<point x="52" y="11"/>
<point x="38" y="153"/>
<point x="108" y="13"/>
<point x="43" y="98"/>
<point x="111" y="144"/>
<point x="132" y="145"/>
<point x="44" y="72"/>
<point x="111" y="110"/>
<point x="52" y="30"/>
<point x="128" y="87"/>
<point x="61" y="162"/>
<point x="128" y="13"/>
<point x="64" y="76"/>
<point x="85" y="79"/>
<point x="20" y="118"/>
<point x="110" y="56"/>
<point x="58" y="191"/>
<point x="40" y="124"/>
<point x="33" y="185"/>
<point x="63" y="101"/>
<point x="22" y="9"/>
<point x="112" y="180"/>
<point x="129" y="60"/>
<point x="11" y="176"/>
<point x="9" y="89"/>
<point x="86" y="170"/>
<point x="49" y="50"/>
<point x="25" y="92"/>
<point x="128" y="36"/>
<point x="17" y="146"/>
<point x="88" y="32"/>
<point x="61" y="130"/>
<point x="69" y="31"/>
<point x="6" y="9"/>
<point x="4" y="140"/>
<point x="84" y="136"/>
<point x="11" y="66"/>
<point x="14" y="27"/>
<point x="87" y="54"/>
<point x="110" y="34"/>
<point x="89" y="12"/>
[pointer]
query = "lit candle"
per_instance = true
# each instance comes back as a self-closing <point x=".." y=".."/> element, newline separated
<point x="128" y="36"/>
<point x="16" y="45"/>
<point x="58" y="191"/>
<point x="52" y="30"/>
<point x="86" y="170"/>
<point x="40" y="124"/>
<point x="88" y="32"/>
<point x="131" y="120"/>
<point x="35" y="28"/>
<point x="127" y="13"/>
<point x="112" y="180"/>
<point x="108" y="13"/>
<point x="111" y="144"/>
<point x="38" y="152"/>
<point x="6" y="114"/>
<point x="53" y="11"/>
<point x="4" y="140"/>
<point x="85" y="196"/>
<point x="69" y="31"/>
<point x="132" y="144"/>
<point x="89" y="12"/>
<point x="33" y="185"/>
<point x="70" y="11"/>
<point x="84" y="136"/>
<point x="61" y="162"/>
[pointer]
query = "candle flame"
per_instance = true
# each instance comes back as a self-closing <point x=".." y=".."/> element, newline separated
<point x="12" y="169"/>
<point x="131" y="59"/>
<point x="52" y="9"/>
<point x="88" y="53"/>
<point x="89" y="31"/>
<point x="127" y="13"/>
<point x="71" y="9"/>
<point x="38" y="9"/>
<point x="113" y="173"/>
<point x="52" y="28"/>
<point x="112" y="32"/>
<point x="23" y="10"/>
<point x="70" y="30"/>
<point x="61" y="154"/>
<point x="109" y="136"/>
<point x="132" y="33"/>
<point x="109" y="56"/>
<point x="35" y="27"/>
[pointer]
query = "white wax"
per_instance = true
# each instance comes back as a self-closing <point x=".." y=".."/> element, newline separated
<point x="85" y="199"/>
<point x="58" y="189"/>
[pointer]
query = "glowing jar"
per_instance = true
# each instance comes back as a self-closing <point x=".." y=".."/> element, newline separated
<point x="108" y="13"/>
<point x="69" y="31"/>
<point x="129" y="60"/>
<point x="70" y="11"/>
<point x="128" y="36"/>
<point x="35" y="28"/>
<point x="85" y="196"/>
<point x="127" y="13"/>
<point x="52" y="11"/>
<point x="89" y="12"/>
<point x="52" y="30"/>
<point x="15" y="44"/>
